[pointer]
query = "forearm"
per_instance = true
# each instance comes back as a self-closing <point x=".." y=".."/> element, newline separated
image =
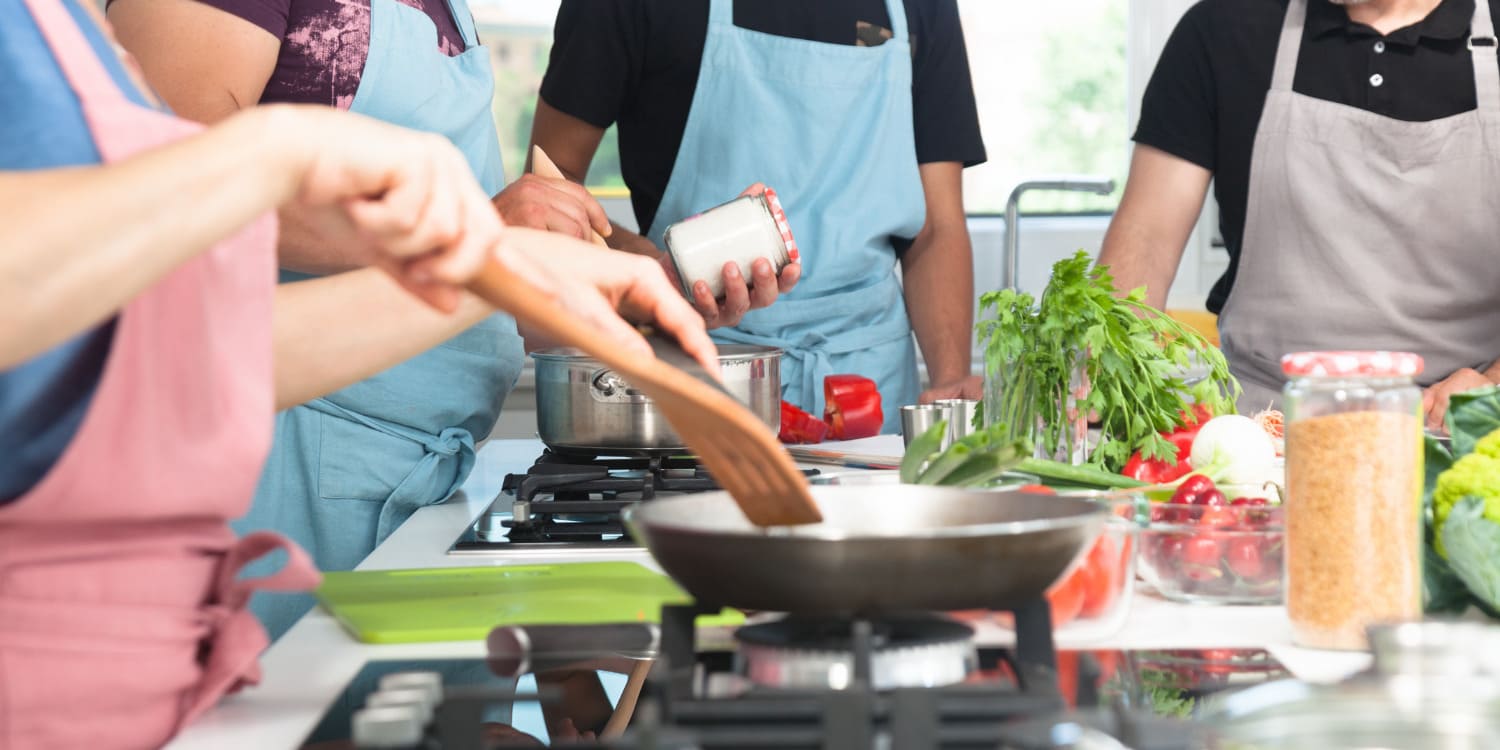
<point x="1150" y="229"/>
<point x="338" y="330"/>
<point x="938" y="274"/>
<point x="82" y="242"/>
<point x="1139" y="256"/>
<point x="301" y="246"/>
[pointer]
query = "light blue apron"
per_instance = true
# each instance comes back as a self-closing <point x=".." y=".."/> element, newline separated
<point x="829" y="126"/>
<point x="347" y="469"/>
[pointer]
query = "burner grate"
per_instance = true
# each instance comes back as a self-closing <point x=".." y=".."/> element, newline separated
<point x="569" y="499"/>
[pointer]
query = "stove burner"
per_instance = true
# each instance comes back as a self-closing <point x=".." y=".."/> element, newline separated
<point x="575" y="500"/>
<point x="816" y="653"/>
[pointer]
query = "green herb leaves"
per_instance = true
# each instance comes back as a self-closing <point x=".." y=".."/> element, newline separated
<point x="1083" y="350"/>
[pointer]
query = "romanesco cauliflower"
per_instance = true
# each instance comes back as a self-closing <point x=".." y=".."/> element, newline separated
<point x="1477" y="474"/>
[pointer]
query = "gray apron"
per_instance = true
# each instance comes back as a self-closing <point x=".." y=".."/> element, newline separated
<point x="1365" y="232"/>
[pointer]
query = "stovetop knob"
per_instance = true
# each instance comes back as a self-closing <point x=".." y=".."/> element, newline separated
<point x="387" y="728"/>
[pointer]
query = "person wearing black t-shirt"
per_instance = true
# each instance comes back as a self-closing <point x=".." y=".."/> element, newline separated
<point x="859" y="113"/>
<point x="1354" y="149"/>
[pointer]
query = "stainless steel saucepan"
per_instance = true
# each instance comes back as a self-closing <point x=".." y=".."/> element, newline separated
<point x="584" y="407"/>
<point x="879" y="550"/>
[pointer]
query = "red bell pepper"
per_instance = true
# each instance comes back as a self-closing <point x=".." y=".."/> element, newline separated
<point x="1158" y="471"/>
<point x="851" y="407"/>
<point x="798" y="426"/>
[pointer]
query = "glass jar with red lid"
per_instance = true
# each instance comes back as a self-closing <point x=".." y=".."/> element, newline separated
<point x="1354" y="494"/>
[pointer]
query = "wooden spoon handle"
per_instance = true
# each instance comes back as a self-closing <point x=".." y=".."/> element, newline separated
<point x="541" y="164"/>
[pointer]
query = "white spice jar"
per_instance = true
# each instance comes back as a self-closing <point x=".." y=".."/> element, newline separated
<point x="746" y="228"/>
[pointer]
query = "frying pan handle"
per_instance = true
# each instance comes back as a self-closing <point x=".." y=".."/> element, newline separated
<point x="518" y="649"/>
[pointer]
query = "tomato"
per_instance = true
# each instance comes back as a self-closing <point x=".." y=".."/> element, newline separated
<point x="1200" y="558"/>
<point x="1201" y="413"/>
<point x="1191" y="488"/>
<point x="1103" y="577"/>
<point x="798" y="426"/>
<point x="1244" y="558"/>
<point x="851" y="407"/>
<point x="1036" y="489"/>
<point x="1066" y="599"/>
<point x="1157" y="471"/>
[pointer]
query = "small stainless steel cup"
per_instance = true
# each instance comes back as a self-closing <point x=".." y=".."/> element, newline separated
<point x="919" y="418"/>
<point x="961" y="413"/>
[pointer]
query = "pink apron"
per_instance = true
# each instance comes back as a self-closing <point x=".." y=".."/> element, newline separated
<point x="121" y="616"/>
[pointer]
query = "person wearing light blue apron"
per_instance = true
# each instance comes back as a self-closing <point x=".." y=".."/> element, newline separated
<point x="816" y="101"/>
<point x="803" y="102"/>
<point x="346" y="470"/>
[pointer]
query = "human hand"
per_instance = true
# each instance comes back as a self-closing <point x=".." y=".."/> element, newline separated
<point x="554" y="204"/>
<point x="971" y="387"/>
<point x="606" y="288"/>
<point x="409" y="197"/>
<point x="1435" y="397"/>
<point x="740" y="295"/>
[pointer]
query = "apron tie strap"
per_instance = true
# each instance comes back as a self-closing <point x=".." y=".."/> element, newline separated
<point x="1483" y="47"/>
<point x="450" y="455"/>
<point x="235" y="637"/>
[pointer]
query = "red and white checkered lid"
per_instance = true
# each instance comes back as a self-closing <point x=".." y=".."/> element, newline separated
<point x="1359" y="364"/>
<point x="786" y="230"/>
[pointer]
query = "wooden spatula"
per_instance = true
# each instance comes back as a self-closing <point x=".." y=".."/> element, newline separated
<point x="741" y="453"/>
<point x="543" y="165"/>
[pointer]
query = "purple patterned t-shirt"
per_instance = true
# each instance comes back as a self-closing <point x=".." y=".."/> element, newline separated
<point x="324" y="44"/>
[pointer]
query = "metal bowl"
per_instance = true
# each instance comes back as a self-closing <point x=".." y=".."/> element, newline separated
<point x="584" y="407"/>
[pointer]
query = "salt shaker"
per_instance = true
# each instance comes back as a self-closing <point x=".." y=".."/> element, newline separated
<point x="1354" y="494"/>
<point x="746" y="228"/>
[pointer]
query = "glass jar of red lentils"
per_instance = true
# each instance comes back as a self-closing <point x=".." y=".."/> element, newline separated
<point x="1354" y="494"/>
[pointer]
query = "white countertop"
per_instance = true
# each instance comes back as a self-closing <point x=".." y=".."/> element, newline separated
<point x="311" y="665"/>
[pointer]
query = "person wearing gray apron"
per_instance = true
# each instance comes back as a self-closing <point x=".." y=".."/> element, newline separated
<point x="1358" y="210"/>
<point x="1364" y="232"/>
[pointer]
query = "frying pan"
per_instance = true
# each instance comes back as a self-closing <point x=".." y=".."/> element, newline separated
<point x="880" y="549"/>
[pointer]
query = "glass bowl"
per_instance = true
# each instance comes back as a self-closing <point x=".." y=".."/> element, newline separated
<point x="1092" y="600"/>
<point x="1214" y="554"/>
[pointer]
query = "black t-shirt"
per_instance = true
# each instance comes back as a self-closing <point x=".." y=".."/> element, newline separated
<point x="1204" y="101"/>
<point x="636" y="62"/>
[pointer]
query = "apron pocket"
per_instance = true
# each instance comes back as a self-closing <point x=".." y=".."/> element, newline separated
<point x="356" y="462"/>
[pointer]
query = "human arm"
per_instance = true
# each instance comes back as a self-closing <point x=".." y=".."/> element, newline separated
<point x="1435" y="397"/>
<point x="1149" y="231"/>
<point x="937" y="272"/>
<point x="66" y="269"/>
<point x="209" y="63"/>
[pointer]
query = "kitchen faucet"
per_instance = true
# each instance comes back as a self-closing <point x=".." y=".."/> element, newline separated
<point x="1009" y="258"/>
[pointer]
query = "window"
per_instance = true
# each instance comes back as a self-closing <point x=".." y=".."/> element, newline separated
<point x="519" y="35"/>
<point x="1050" y="79"/>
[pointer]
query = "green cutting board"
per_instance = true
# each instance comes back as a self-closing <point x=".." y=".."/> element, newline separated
<point x="464" y="604"/>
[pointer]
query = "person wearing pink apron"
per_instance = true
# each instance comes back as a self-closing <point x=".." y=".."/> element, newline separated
<point x="121" y="616"/>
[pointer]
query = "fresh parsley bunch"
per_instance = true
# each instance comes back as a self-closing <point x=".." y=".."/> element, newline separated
<point x="1131" y="357"/>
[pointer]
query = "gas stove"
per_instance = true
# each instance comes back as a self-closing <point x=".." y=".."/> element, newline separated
<point x="913" y="683"/>
<point x="573" y="501"/>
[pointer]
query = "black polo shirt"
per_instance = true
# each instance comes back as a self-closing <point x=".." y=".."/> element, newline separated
<point x="636" y="62"/>
<point x="1204" y="100"/>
